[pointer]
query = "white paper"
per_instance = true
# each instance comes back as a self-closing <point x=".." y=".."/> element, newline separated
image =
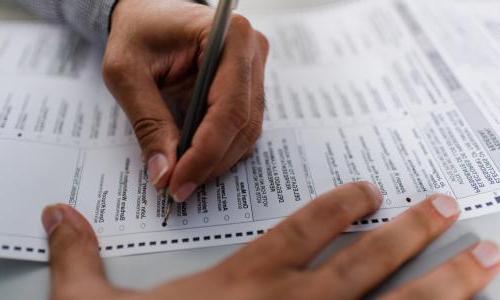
<point x="400" y="93"/>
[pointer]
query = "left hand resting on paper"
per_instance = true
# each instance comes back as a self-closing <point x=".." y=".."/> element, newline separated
<point x="275" y="266"/>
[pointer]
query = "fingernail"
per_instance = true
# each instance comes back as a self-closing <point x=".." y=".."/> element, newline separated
<point x="52" y="216"/>
<point x="446" y="206"/>
<point x="374" y="191"/>
<point x="157" y="167"/>
<point x="184" y="192"/>
<point x="487" y="254"/>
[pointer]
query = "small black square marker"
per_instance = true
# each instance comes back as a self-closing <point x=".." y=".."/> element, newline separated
<point x="217" y="236"/>
<point x="164" y="242"/>
<point x="196" y="239"/>
<point x="185" y="240"/>
<point x="239" y="233"/>
<point x="489" y="203"/>
<point x="385" y="220"/>
<point x="109" y="247"/>
<point x="374" y="221"/>
<point x="5" y="247"/>
<point x="119" y="246"/>
<point x="41" y="250"/>
<point x="142" y="244"/>
<point x="29" y="249"/>
<point x="479" y="206"/>
<point x="17" y="248"/>
<point x="497" y="199"/>
<point x="249" y="232"/>
<point x="364" y="222"/>
<point x="260" y="231"/>
<point x="206" y="238"/>
<point x="468" y="208"/>
<point x="152" y="243"/>
<point x="174" y="241"/>
<point x="228" y="235"/>
<point x="131" y="245"/>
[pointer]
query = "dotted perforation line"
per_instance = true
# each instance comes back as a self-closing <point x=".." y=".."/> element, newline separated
<point x="483" y="205"/>
<point x="185" y="240"/>
<point x="371" y="221"/>
<point x="16" y="248"/>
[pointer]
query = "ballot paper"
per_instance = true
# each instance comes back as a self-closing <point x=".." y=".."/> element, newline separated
<point x="405" y="94"/>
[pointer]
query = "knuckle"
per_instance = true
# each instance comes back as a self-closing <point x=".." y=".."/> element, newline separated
<point x="63" y="237"/>
<point x="260" y="101"/>
<point x="334" y="209"/>
<point x="465" y="270"/>
<point x="238" y="117"/>
<point x="114" y="69"/>
<point x="382" y="246"/>
<point x="241" y="23"/>
<point x="147" y="129"/>
<point x="342" y="270"/>
<point x="208" y="154"/>
<point x="244" y="73"/>
<point x="293" y="233"/>
<point x="264" y="41"/>
<point x="251" y="133"/>
<point x="422" y="223"/>
<point x="363" y="189"/>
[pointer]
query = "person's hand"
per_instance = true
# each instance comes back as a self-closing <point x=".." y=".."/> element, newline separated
<point x="276" y="266"/>
<point x="153" y="51"/>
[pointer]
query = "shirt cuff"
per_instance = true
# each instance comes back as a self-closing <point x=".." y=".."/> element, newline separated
<point x="91" y="18"/>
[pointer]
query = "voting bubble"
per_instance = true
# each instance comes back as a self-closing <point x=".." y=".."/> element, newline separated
<point x="184" y="222"/>
<point x="121" y="228"/>
<point x="205" y="220"/>
<point x="247" y="215"/>
<point x="226" y="218"/>
<point x="143" y="225"/>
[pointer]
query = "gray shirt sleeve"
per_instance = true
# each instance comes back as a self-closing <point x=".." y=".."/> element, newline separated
<point x="88" y="17"/>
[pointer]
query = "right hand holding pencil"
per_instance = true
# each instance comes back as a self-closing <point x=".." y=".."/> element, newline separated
<point x="154" y="50"/>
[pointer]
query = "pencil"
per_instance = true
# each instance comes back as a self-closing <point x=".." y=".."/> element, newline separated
<point x="198" y="105"/>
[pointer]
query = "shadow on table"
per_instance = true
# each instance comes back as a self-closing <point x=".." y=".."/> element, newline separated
<point x="23" y="280"/>
<point x="12" y="269"/>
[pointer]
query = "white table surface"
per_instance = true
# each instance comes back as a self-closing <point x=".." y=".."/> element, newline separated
<point x="30" y="280"/>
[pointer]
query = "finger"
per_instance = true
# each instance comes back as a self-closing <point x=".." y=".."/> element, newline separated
<point x="73" y="250"/>
<point x="154" y="126"/>
<point x="460" y="278"/>
<point x="228" y="112"/>
<point x="246" y="139"/>
<point x="360" y="267"/>
<point x="298" y="239"/>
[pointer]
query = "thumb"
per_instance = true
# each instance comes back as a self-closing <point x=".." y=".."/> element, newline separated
<point x="153" y="124"/>
<point x="73" y="249"/>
